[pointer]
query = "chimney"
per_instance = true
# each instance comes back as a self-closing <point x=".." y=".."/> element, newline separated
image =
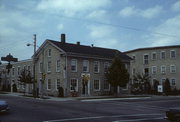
<point x="92" y="45"/>
<point x="78" y="43"/>
<point x="63" y="38"/>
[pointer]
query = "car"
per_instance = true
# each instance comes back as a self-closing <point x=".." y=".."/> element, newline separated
<point x="173" y="114"/>
<point x="4" y="107"/>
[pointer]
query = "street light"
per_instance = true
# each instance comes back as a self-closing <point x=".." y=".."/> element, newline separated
<point x="34" y="58"/>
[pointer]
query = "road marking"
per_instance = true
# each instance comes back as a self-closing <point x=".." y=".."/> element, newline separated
<point x="99" y="117"/>
<point x="110" y="99"/>
<point x="132" y="120"/>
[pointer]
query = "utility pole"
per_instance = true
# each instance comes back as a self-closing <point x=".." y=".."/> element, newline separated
<point x="34" y="62"/>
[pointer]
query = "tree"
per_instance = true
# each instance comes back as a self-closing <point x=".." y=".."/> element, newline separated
<point x="117" y="75"/>
<point x="167" y="87"/>
<point x="155" y="86"/>
<point x="25" y="78"/>
<point x="141" y="83"/>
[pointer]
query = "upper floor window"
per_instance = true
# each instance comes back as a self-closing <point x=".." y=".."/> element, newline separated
<point x="154" y="56"/>
<point x="74" y="85"/>
<point x="49" y="84"/>
<point x="85" y="65"/>
<point x="96" y="66"/>
<point x="163" y="69"/>
<point x="172" y="54"/>
<point x="163" y="55"/>
<point x="49" y="66"/>
<point x="154" y="69"/>
<point x="96" y="85"/>
<point x="49" y="52"/>
<point x="74" y="65"/>
<point x="106" y="66"/>
<point x="146" y="59"/>
<point x="173" y="68"/>
<point x="13" y="71"/>
<point x="40" y="67"/>
<point x="58" y="66"/>
<point x="18" y="70"/>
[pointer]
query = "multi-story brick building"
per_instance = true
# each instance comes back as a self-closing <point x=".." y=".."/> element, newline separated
<point x="64" y="65"/>
<point x="158" y="62"/>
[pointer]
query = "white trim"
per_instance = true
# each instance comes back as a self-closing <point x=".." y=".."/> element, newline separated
<point x="164" y="55"/>
<point x="50" y="66"/>
<point x="155" y="56"/>
<point x="75" y="65"/>
<point x="49" y="50"/>
<point x="171" y="55"/>
<point x="59" y="65"/>
<point x="13" y="74"/>
<point x="87" y="65"/>
<point x="99" y="85"/>
<point x="48" y="84"/>
<point x="98" y="66"/>
<point x="162" y="68"/>
<point x="171" y="68"/>
<point x="56" y="84"/>
<point x="108" y="84"/>
<point x="155" y="70"/>
<point x="144" y="59"/>
<point x="76" y="88"/>
<point x="171" y="81"/>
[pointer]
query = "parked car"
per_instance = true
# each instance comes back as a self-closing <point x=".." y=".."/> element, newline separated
<point x="4" y="107"/>
<point x="173" y="114"/>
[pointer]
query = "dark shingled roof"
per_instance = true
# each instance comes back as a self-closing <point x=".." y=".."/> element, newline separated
<point x="88" y="50"/>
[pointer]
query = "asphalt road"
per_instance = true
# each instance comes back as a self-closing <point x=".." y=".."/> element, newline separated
<point x="34" y="110"/>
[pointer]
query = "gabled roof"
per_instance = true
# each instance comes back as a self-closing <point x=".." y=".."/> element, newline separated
<point x="89" y="50"/>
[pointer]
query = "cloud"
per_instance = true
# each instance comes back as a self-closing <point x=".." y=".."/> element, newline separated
<point x="71" y="7"/>
<point x="176" y="6"/>
<point x="60" y="26"/>
<point x="147" y="13"/>
<point x="171" y="31"/>
<point x="100" y="15"/>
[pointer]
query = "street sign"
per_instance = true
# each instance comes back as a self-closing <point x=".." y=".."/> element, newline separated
<point x="160" y="88"/>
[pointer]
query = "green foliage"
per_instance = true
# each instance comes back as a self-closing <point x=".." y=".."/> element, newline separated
<point x="141" y="83"/>
<point x="167" y="87"/>
<point x="61" y="92"/>
<point x="117" y="74"/>
<point x="25" y="77"/>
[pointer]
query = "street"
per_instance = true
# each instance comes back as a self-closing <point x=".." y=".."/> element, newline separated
<point x="130" y="110"/>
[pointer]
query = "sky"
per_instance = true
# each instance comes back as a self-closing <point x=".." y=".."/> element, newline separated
<point x="117" y="24"/>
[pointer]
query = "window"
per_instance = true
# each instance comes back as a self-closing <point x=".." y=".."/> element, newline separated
<point x="24" y="67"/>
<point x="163" y="69"/>
<point x="173" y="68"/>
<point x="96" y="85"/>
<point x="40" y="67"/>
<point x="106" y="85"/>
<point x="74" y="65"/>
<point x="13" y="71"/>
<point x="58" y="66"/>
<point x="173" y="81"/>
<point x="49" y="84"/>
<point x="154" y="56"/>
<point x="85" y="65"/>
<point x="162" y="81"/>
<point x="172" y="54"/>
<point x="96" y="66"/>
<point x="154" y="69"/>
<point x="134" y="58"/>
<point x="49" y="52"/>
<point x="146" y="71"/>
<point x="163" y="55"/>
<point x="74" y="85"/>
<point x="146" y="58"/>
<point x="49" y="66"/>
<point x="18" y="70"/>
<point x="28" y="68"/>
<point x="106" y="66"/>
<point x="58" y="84"/>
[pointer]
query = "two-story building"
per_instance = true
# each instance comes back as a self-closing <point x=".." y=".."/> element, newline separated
<point x="62" y="64"/>
<point x="158" y="62"/>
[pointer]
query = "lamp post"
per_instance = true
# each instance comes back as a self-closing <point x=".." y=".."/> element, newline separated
<point x="34" y="59"/>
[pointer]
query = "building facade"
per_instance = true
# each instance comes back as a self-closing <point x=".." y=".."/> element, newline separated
<point x="158" y="62"/>
<point x="62" y="64"/>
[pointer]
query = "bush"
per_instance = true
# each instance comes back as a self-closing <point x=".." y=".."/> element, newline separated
<point x="60" y="92"/>
<point x="14" y="88"/>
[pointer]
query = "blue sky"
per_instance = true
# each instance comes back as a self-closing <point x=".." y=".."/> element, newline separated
<point x="119" y="24"/>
